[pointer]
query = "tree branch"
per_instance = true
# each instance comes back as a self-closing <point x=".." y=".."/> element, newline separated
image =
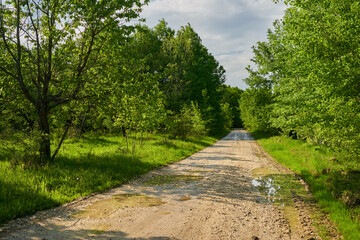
<point x="68" y="124"/>
<point x="3" y="33"/>
<point x="18" y="59"/>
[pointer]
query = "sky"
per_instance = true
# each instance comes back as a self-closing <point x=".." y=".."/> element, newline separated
<point x="228" y="28"/>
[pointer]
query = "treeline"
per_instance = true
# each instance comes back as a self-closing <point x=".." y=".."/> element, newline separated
<point x="306" y="82"/>
<point x="79" y="66"/>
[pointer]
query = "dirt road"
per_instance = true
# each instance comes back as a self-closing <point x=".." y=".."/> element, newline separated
<point x="210" y="195"/>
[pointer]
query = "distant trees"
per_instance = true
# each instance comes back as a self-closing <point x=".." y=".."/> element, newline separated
<point x="192" y="74"/>
<point x="310" y="65"/>
<point x="230" y="99"/>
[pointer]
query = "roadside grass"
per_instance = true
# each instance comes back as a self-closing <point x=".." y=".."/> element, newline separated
<point x="84" y="166"/>
<point x="334" y="182"/>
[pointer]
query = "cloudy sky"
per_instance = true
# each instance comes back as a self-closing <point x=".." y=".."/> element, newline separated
<point x="228" y="28"/>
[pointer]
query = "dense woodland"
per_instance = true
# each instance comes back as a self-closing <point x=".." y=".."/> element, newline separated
<point x="71" y="67"/>
<point x="305" y="82"/>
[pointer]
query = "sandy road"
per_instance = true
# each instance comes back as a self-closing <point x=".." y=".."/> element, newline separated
<point x="220" y="203"/>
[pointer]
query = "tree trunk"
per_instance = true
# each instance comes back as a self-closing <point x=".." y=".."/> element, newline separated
<point x="45" y="151"/>
<point x="123" y="130"/>
<point x="82" y="126"/>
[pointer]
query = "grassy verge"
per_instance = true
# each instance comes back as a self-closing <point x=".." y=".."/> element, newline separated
<point x="333" y="182"/>
<point x="84" y="166"/>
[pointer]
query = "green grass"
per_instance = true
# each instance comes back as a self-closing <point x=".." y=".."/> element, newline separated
<point x="334" y="183"/>
<point x="84" y="166"/>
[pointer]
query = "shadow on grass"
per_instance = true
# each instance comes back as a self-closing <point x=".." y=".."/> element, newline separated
<point x="202" y="143"/>
<point x="344" y="185"/>
<point x="98" y="141"/>
<point x="17" y="201"/>
<point x="257" y="134"/>
<point x="66" y="180"/>
<point x="166" y="143"/>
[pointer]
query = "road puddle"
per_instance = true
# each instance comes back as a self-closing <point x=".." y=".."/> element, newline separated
<point x="280" y="189"/>
<point x="104" y="208"/>
<point x="171" y="179"/>
<point x="268" y="188"/>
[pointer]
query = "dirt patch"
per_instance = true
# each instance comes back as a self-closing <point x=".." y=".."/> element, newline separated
<point x="104" y="208"/>
<point x="185" y="198"/>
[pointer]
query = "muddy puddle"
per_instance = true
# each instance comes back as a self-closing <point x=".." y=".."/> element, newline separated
<point x="171" y="179"/>
<point x="104" y="208"/>
<point x="280" y="189"/>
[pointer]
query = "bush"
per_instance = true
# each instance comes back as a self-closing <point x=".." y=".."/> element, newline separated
<point x="188" y="123"/>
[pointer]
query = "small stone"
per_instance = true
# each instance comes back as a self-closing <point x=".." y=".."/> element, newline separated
<point x="255" y="238"/>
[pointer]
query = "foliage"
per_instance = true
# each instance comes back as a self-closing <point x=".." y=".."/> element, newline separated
<point x="254" y="109"/>
<point x="227" y="116"/>
<point x="135" y="102"/>
<point x="310" y="64"/>
<point x="232" y="96"/>
<point x="191" y="73"/>
<point x="188" y="123"/>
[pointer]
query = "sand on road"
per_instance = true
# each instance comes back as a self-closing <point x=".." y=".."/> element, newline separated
<point x="209" y="195"/>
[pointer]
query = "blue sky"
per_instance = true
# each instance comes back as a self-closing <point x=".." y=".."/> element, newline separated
<point x="228" y="28"/>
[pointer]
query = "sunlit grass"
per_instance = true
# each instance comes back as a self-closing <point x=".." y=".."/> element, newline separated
<point x="84" y="166"/>
<point x="327" y="173"/>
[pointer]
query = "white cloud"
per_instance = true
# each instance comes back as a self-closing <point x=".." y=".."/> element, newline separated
<point x="228" y="28"/>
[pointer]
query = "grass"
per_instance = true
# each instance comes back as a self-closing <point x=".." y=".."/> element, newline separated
<point x="84" y="166"/>
<point x="334" y="182"/>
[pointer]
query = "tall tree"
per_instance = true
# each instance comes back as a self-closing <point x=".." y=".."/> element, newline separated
<point x="49" y="47"/>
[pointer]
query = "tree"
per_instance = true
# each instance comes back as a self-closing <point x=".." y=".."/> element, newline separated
<point x="319" y="89"/>
<point x="49" y="49"/>
<point x="310" y="64"/>
<point x="255" y="109"/>
<point x="137" y="104"/>
<point x="192" y="74"/>
<point x="232" y="96"/>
